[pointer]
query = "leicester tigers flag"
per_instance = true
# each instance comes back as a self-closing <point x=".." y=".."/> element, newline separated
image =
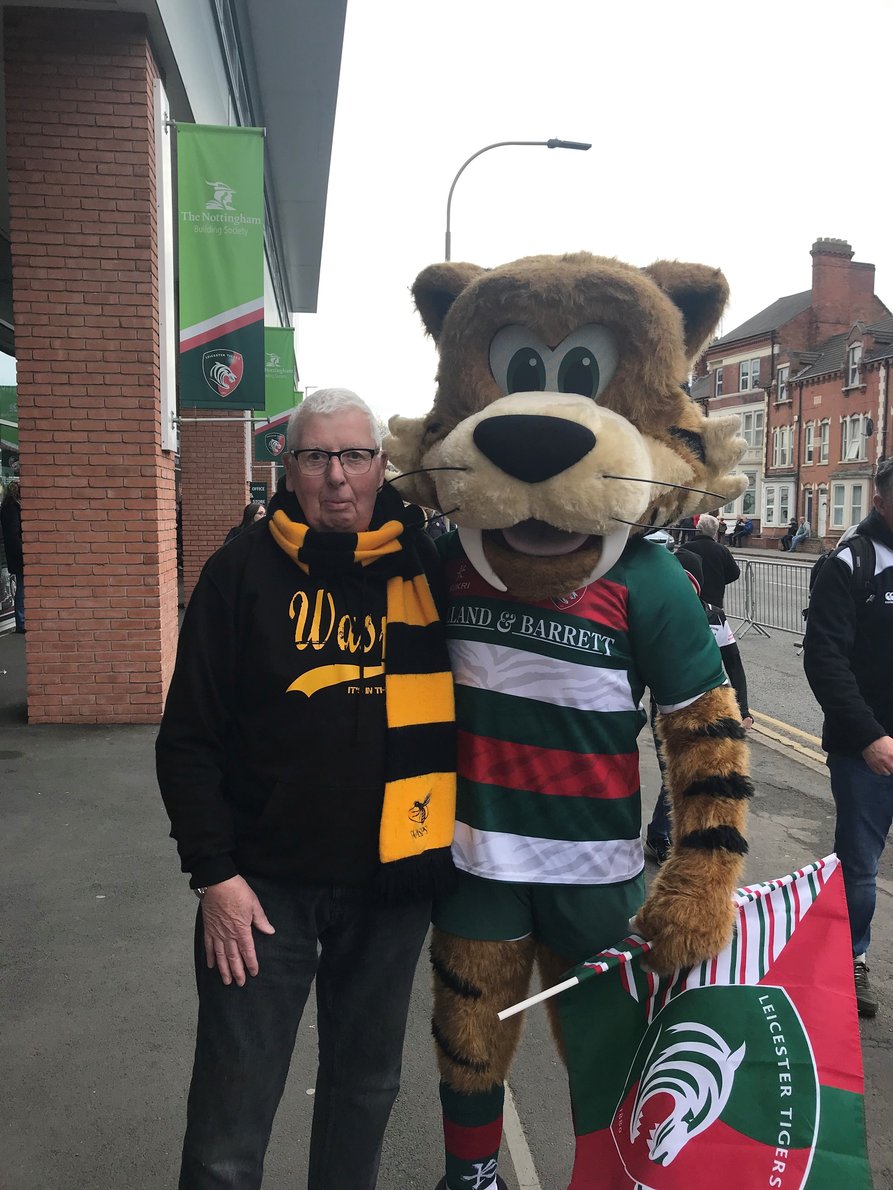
<point x="220" y="186"/>
<point x="743" y="1072"/>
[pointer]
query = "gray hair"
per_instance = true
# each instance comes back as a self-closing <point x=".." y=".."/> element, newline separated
<point x="708" y="524"/>
<point x="330" y="400"/>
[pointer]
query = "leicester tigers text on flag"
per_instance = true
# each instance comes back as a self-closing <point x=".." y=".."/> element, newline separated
<point x="743" y="1072"/>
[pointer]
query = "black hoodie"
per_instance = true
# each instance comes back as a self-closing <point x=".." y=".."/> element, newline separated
<point x="257" y="778"/>
<point x="848" y="649"/>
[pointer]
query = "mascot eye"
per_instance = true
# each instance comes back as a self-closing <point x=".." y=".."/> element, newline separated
<point x="526" y="372"/>
<point x="578" y="373"/>
<point x="518" y="360"/>
<point x="587" y="359"/>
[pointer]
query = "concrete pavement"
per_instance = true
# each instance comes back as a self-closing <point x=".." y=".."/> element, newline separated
<point x="97" y="1001"/>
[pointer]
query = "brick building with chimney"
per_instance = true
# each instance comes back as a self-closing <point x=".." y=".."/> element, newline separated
<point x="808" y="376"/>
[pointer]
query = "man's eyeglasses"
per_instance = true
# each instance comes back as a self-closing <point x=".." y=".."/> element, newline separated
<point x="354" y="460"/>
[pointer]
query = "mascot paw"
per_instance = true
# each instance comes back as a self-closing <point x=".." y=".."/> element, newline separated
<point x="685" y="925"/>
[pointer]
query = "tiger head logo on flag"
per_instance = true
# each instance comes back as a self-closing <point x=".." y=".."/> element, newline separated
<point x="695" y="1097"/>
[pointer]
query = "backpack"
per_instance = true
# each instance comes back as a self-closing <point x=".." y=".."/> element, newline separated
<point x="862" y="549"/>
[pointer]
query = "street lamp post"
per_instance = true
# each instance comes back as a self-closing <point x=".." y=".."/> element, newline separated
<point x="546" y="144"/>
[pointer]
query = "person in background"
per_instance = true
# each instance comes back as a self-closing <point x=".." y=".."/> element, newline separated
<point x="742" y="529"/>
<point x="252" y="513"/>
<point x="658" y="831"/>
<point x="11" y="527"/>
<point x="802" y="534"/>
<point x="309" y="776"/>
<point x="848" y="659"/>
<point x="785" y="543"/>
<point x="436" y="523"/>
<point x="686" y="530"/>
<point x="721" y="528"/>
<point x="718" y="564"/>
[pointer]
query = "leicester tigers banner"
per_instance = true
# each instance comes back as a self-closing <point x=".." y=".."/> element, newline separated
<point x="745" y="1071"/>
<point x="220" y="177"/>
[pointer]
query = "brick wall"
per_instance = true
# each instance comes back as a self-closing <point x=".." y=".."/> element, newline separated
<point x="98" y="492"/>
<point x="213" y="484"/>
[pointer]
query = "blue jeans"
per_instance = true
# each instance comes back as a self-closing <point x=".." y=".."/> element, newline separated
<point x="364" y="966"/>
<point x="864" y="803"/>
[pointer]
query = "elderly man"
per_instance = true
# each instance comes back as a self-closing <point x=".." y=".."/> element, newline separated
<point x="308" y="772"/>
<point x="717" y="562"/>
<point x="802" y="534"/>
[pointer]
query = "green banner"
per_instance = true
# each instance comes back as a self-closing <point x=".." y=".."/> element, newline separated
<point x="9" y="417"/>
<point x="257" y="492"/>
<point x="269" y="440"/>
<point x="279" y="369"/>
<point x="221" y="266"/>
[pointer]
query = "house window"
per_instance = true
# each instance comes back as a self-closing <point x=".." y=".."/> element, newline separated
<point x="748" y="374"/>
<point x="853" y="439"/>
<point x="853" y="362"/>
<point x="769" y="504"/>
<point x="824" y="440"/>
<point x="838" y="505"/>
<point x="808" y="505"/>
<point x="782" y="439"/>
<point x="749" y="498"/>
<point x="781" y="377"/>
<point x="856" y="503"/>
<point x="717" y="389"/>
<point x="752" y="428"/>
<point x="808" y="442"/>
<point x="784" y="504"/>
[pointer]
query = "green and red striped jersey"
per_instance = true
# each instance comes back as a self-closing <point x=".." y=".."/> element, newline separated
<point x="549" y="705"/>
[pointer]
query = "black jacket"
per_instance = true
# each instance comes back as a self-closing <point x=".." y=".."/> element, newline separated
<point x="11" y="527"/>
<point x="848" y="649"/>
<point x="719" y="567"/>
<point x="258" y="778"/>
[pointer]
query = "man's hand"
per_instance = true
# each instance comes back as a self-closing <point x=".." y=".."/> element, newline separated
<point x="879" y="756"/>
<point x="229" y="910"/>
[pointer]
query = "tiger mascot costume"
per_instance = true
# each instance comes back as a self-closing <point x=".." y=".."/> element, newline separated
<point x="560" y="434"/>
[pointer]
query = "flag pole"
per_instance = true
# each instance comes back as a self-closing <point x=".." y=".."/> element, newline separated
<point x="546" y="994"/>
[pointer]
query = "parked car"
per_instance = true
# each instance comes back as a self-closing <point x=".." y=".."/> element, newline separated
<point x="662" y="537"/>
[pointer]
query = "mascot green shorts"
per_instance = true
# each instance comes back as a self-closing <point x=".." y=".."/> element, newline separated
<point x="573" y="920"/>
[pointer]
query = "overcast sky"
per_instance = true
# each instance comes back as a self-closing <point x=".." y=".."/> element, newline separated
<point x="732" y="134"/>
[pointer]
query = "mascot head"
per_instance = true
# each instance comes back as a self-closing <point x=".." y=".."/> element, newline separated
<point x="560" y="421"/>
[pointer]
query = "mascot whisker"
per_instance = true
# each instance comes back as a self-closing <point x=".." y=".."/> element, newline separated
<point x="560" y="433"/>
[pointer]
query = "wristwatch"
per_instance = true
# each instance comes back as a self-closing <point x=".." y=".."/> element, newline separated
<point x="200" y="892"/>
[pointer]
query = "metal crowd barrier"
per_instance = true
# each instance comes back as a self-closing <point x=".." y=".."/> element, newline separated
<point x="768" y="595"/>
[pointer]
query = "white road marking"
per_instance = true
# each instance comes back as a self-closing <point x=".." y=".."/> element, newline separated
<point x="519" y="1150"/>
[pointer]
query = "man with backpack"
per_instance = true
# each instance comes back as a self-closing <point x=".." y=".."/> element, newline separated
<point x="848" y="658"/>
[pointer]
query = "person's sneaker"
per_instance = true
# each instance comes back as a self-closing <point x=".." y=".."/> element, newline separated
<point x="499" y="1184"/>
<point x="657" y="847"/>
<point x="866" y="996"/>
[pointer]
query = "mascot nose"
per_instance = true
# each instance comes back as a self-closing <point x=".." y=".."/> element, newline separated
<point x="532" y="447"/>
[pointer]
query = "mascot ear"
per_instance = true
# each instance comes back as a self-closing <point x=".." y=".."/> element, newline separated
<point x="437" y="287"/>
<point x="403" y="444"/>
<point x="700" y="293"/>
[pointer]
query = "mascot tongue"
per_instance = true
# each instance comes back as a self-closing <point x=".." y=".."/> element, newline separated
<point x="542" y="540"/>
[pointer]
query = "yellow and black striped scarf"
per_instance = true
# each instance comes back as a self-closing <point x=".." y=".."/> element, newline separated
<point x="418" y="815"/>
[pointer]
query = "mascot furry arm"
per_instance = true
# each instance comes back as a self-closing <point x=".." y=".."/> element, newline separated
<point x="559" y="422"/>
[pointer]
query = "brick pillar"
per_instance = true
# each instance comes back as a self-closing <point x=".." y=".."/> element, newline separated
<point x="98" y="492"/>
<point x="213" y="484"/>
